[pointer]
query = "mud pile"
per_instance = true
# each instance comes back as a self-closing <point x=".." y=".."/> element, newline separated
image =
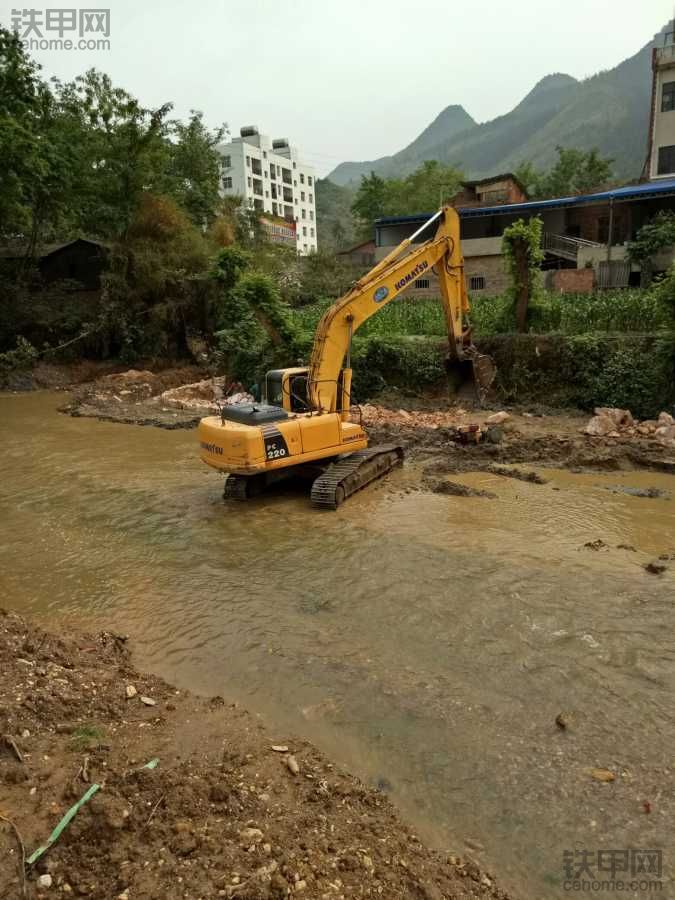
<point x="225" y="809"/>
<point x="207" y="395"/>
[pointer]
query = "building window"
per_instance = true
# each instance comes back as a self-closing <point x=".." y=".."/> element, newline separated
<point x="264" y="154"/>
<point x="248" y="161"/>
<point x="311" y="198"/>
<point x="666" y="160"/>
<point x="304" y="214"/>
<point x="274" y="209"/>
<point x="302" y="196"/>
<point x="311" y="232"/>
<point x="477" y="283"/>
<point x="294" y="166"/>
<point x="227" y="162"/>
<point x="311" y="215"/>
<point x="304" y="231"/>
<point x="227" y="183"/>
<point x="267" y="193"/>
<point x="249" y="181"/>
<point x="272" y="175"/>
<point x="422" y="284"/>
<point x="302" y="178"/>
<point x="309" y="180"/>
<point x="304" y="247"/>
<point x="668" y="97"/>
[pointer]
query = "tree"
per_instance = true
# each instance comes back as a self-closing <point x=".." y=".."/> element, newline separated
<point x="424" y="190"/>
<point x="122" y="149"/>
<point x="37" y="162"/>
<point x="371" y="202"/>
<point x="194" y="167"/>
<point x="521" y="245"/>
<point x="575" y="172"/>
<point x="654" y="235"/>
<point x="427" y="188"/>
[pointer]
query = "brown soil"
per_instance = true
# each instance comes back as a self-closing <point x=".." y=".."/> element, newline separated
<point x="222" y="814"/>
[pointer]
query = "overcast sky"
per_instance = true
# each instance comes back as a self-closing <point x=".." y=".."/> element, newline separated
<point x="354" y="79"/>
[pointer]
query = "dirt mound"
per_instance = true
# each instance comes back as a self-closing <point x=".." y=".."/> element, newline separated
<point x="206" y="396"/>
<point x="225" y="809"/>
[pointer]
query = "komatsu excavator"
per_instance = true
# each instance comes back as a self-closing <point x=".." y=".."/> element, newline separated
<point x="304" y="424"/>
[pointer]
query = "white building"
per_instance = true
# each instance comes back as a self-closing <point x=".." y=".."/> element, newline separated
<point x="661" y="161"/>
<point x="269" y="176"/>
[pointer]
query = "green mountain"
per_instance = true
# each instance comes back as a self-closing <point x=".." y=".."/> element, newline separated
<point x="609" y="111"/>
<point x="453" y="121"/>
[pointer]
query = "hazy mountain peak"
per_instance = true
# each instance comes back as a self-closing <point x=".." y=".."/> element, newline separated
<point x="609" y="111"/>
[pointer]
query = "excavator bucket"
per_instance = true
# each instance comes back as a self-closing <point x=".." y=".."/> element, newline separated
<point x="472" y="376"/>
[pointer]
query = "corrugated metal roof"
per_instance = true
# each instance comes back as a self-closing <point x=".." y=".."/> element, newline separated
<point x="622" y="194"/>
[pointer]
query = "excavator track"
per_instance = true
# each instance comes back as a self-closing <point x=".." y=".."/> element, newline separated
<point x="237" y="487"/>
<point x="353" y="472"/>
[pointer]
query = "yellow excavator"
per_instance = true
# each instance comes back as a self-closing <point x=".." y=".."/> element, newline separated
<point x="304" y="423"/>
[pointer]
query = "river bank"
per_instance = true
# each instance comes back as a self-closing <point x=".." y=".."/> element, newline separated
<point x="231" y="809"/>
<point x="425" y="426"/>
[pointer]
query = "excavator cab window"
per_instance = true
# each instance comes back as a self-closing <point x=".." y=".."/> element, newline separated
<point x="274" y="394"/>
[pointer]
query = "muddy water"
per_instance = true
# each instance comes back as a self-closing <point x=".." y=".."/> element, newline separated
<point x="428" y="642"/>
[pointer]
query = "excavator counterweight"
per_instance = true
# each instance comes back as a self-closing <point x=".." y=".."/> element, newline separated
<point x="304" y="424"/>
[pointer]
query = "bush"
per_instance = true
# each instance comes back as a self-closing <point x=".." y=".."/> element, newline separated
<point x="630" y="371"/>
<point x="22" y="357"/>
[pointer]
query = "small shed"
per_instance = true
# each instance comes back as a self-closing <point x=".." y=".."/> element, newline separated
<point x="80" y="261"/>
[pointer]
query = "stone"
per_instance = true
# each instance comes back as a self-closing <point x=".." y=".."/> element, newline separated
<point x="497" y="418"/>
<point x="599" y="426"/>
<point x="131" y="691"/>
<point x="292" y="765"/>
<point x="44" y="881"/>
<point x="148" y="701"/>
<point x="602" y="775"/>
<point x="250" y="836"/>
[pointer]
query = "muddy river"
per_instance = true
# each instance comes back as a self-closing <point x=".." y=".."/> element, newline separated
<point x="427" y="642"/>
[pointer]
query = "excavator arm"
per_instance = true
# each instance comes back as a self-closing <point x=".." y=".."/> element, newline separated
<point x="401" y="267"/>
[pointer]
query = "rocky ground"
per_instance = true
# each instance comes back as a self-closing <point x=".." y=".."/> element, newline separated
<point x="227" y="809"/>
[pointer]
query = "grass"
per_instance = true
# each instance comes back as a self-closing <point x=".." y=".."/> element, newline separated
<point x="86" y="735"/>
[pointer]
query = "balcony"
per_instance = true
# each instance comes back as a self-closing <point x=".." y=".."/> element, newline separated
<point x="286" y="176"/>
<point x="256" y="167"/>
<point x="257" y="187"/>
<point x="288" y="195"/>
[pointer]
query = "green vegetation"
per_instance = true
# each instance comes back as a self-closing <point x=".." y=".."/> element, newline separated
<point x="606" y="312"/>
<point x="575" y="172"/>
<point x="521" y="246"/>
<point x="631" y="371"/>
<point x="334" y="221"/>
<point x="423" y="190"/>
<point x="86" y="736"/>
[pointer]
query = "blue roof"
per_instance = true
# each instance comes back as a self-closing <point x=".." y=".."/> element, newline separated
<point x="622" y="194"/>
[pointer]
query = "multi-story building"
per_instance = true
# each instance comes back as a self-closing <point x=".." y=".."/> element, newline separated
<point x="661" y="155"/>
<point x="270" y="177"/>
